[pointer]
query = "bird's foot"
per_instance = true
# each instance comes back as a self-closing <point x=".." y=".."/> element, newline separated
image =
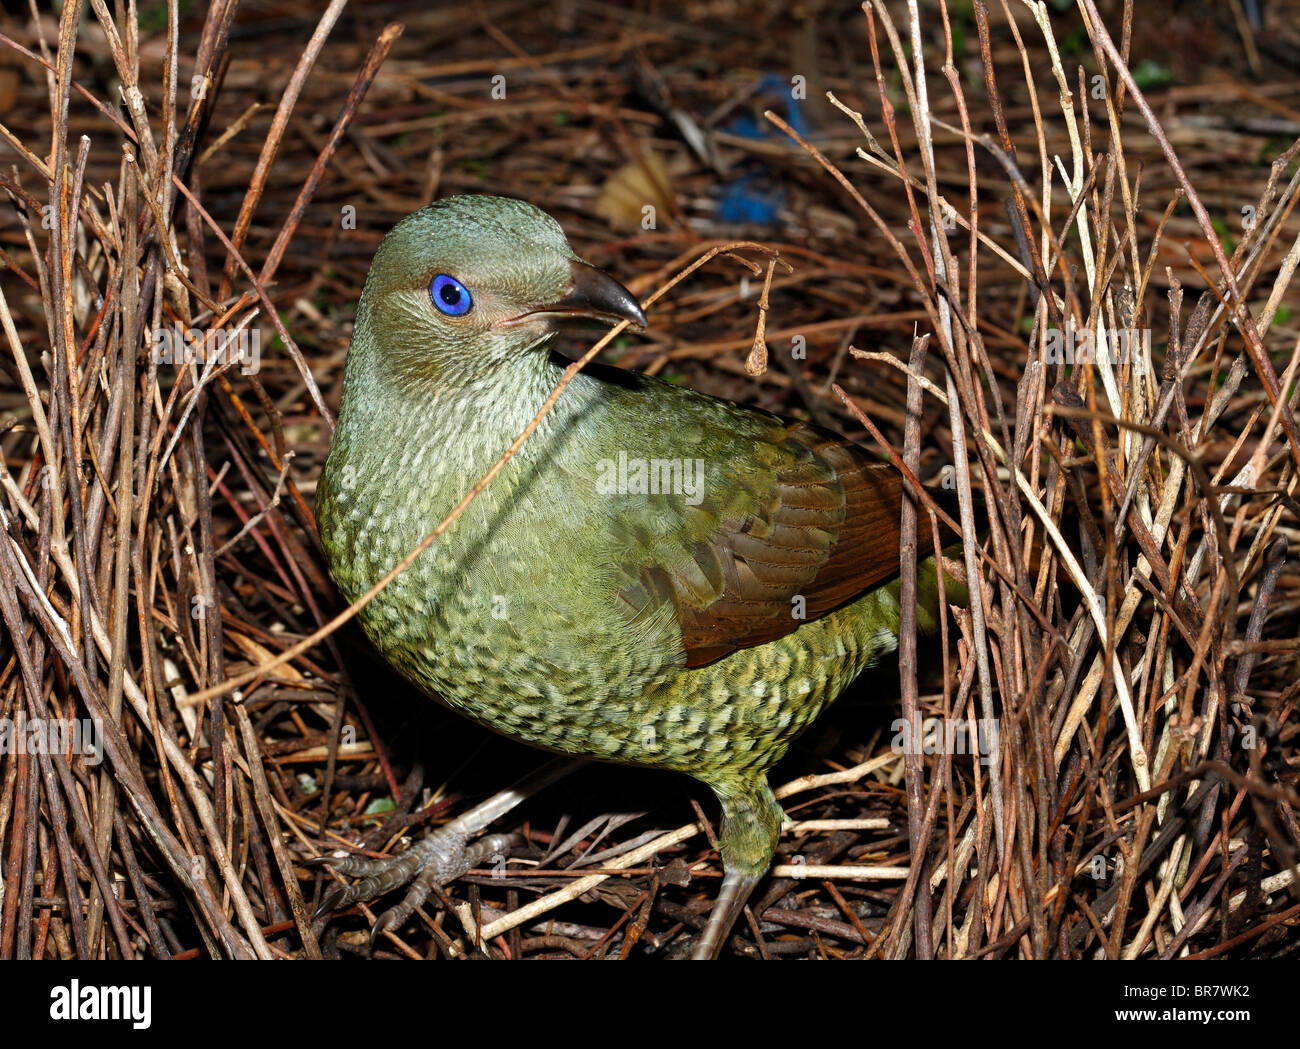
<point x="440" y="857"/>
<point x="732" y="897"/>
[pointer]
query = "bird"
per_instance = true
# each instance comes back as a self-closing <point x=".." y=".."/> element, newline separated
<point x="657" y="578"/>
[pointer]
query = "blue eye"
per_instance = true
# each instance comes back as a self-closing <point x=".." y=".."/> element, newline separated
<point x="450" y="295"/>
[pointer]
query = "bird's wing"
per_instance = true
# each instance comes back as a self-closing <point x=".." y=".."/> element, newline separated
<point x="790" y="522"/>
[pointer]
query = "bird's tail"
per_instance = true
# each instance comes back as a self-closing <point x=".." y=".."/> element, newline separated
<point x="928" y="597"/>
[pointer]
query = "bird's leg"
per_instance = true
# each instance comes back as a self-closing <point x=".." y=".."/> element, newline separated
<point x="440" y="857"/>
<point x="732" y="897"/>
<point x="751" y="825"/>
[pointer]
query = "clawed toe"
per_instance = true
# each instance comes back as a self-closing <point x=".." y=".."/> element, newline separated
<point x="434" y="861"/>
<point x="331" y="900"/>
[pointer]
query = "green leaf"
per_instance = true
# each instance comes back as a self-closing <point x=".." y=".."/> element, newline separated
<point x="1151" y="74"/>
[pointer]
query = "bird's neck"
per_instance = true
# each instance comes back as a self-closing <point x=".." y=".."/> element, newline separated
<point x="464" y="426"/>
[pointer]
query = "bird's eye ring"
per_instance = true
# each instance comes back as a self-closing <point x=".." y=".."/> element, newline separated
<point x="450" y="296"/>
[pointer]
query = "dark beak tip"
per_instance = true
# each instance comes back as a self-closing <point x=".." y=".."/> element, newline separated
<point x="636" y="316"/>
<point x="594" y="293"/>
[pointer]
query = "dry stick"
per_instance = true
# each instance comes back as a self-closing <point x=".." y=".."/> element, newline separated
<point x="585" y="884"/>
<point x="30" y="770"/>
<point x="1241" y="315"/>
<point x="1197" y="468"/>
<point x="262" y="796"/>
<point x="167" y="243"/>
<point x="152" y="299"/>
<point x="198" y="386"/>
<point x="888" y="165"/>
<point x="124" y="64"/>
<point x="272" y="455"/>
<point x="145" y="144"/>
<point x="203" y="567"/>
<point x="927" y="300"/>
<point x="894" y="944"/>
<point x="1257" y="254"/>
<point x="1059" y="256"/>
<point x="257" y="518"/>
<point x="945" y="272"/>
<point x="967" y="530"/>
<point x="631" y="859"/>
<point x="54" y="772"/>
<point x="918" y="491"/>
<point x="291" y="346"/>
<point x="1035" y="874"/>
<point x="208" y="76"/>
<point x="1137" y="753"/>
<point x="123" y="513"/>
<point x="288" y="99"/>
<point x="1276" y="558"/>
<point x="1290" y="914"/>
<point x="13" y="803"/>
<point x="295" y="558"/>
<point x="255" y="945"/>
<point x="119" y="754"/>
<point x="569" y="374"/>
<point x="1030" y="387"/>
<point x="756" y="362"/>
<point x="62" y="241"/>
<point x="167" y="155"/>
<point x="234" y="129"/>
<point x="907" y="667"/>
<point x="1018" y="193"/>
<point x="135" y="876"/>
<point x="1089" y="688"/>
<point x="369" y="68"/>
<point x="60" y="275"/>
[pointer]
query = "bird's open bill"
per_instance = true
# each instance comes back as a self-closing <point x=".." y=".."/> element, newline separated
<point x="592" y="295"/>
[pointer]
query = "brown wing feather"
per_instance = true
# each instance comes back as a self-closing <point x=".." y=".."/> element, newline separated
<point x="827" y="532"/>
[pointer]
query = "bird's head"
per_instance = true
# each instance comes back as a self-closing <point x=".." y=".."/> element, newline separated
<point x="471" y="282"/>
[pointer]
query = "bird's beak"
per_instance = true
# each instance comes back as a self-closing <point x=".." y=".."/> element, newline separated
<point x="591" y="296"/>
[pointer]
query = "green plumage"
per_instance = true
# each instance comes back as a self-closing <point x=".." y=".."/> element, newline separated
<point x="542" y="612"/>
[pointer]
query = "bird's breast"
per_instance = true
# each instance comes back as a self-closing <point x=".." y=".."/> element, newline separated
<point x="502" y="616"/>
